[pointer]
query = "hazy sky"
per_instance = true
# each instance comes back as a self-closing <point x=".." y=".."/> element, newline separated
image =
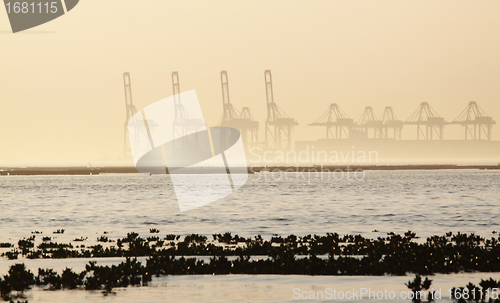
<point x="61" y="86"/>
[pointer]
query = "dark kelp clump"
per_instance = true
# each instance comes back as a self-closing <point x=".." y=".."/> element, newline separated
<point x="330" y="254"/>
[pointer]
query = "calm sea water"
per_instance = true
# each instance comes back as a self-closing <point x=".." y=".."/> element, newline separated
<point x="426" y="202"/>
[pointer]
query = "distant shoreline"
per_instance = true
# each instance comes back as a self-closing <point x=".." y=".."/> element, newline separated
<point x="26" y="171"/>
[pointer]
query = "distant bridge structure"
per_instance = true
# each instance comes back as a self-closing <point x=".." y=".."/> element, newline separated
<point x="336" y="121"/>
<point x="368" y="123"/>
<point x="430" y="125"/>
<point x="475" y="122"/>
<point x="390" y="121"/>
<point x="428" y="122"/>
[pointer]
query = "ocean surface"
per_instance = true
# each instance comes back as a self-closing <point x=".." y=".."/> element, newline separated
<point x="372" y="204"/>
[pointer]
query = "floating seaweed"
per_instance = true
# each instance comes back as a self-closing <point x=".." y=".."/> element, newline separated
<point x="330" y="254"/>
<point x="418" y="288"/>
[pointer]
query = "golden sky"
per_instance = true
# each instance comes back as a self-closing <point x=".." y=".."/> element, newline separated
<point x="61" y="86"/>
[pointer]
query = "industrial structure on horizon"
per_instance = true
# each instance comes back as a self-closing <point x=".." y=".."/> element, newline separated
<point x="242" y="121"/>
<point x="279" y="126"/>
<point x="130" y="110"/>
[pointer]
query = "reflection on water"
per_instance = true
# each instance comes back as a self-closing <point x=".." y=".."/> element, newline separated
<point x="426" y="202"/>
<point x="255" y="288"/>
